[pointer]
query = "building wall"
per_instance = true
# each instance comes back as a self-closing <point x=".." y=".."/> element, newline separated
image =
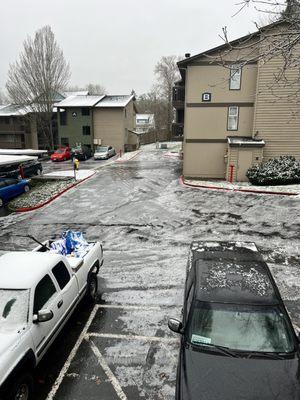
<point x="205" y="127"/>
<point x="109" y="127"/>
<point x="277" y="117"/>
<point x="73" y="129"/>
<point x="131" y="140"/>
<point x="14" y="133"/>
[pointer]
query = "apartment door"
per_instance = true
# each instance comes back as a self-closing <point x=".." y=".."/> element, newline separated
<point x="244" y="163"/>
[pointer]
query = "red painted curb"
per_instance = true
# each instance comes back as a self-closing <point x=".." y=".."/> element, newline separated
<point x="128" y="159"/>
<point x="181" y="180"/>
<point x="25" y="209"/>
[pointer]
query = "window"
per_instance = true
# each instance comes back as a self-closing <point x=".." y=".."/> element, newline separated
<point x="61" y="274"/>
<point x="235" y="78"/>
<point x="64" y="141"/>
<point x="10" y="182"/>
<point x="63" y="118"/>
<point x="233" y="118"/>
<point x="86" y="130"/>
<point x="44" y="290"/>
<point x="85" y="111"/>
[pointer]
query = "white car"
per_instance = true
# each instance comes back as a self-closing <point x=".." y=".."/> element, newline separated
<point x="104" y="152"/>
<point x="39" y="290"/>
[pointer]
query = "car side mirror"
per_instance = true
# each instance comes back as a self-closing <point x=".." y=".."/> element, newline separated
<point x="43" y="316"/>
<point x="175" y="325"/>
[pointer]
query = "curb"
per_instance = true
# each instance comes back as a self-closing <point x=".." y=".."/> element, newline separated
<point x="183" y="183"/>
<point x="128" y="159"/>
<point x="36" y="207"/>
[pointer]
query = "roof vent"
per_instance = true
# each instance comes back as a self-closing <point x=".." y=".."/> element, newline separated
<point x="187" y="55"/>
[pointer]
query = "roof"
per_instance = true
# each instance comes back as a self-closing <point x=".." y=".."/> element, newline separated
<point x="115" y="101"/>
<point x="186" y="61"/>
<point x="79" y="101"/>
<point x="10" y="159"/>
<point x="27" y="152"/>
<point x="76" y="93"/>
<point x="12" y="110"/>
<point x="232" y="272"/>
<point x="144" y="116"/>
<point x="244" y="141"/>
<point x="23" y="269"/>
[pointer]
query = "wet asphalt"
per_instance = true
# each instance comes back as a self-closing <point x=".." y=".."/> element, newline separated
<point x="146" y="221"/>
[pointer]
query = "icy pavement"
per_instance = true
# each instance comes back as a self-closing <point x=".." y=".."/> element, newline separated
<point x="146" y="221"/>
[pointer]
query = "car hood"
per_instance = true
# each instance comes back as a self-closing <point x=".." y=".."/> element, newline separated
<point x="8" y="339"/>
<point x="101" y="154"/>
<point x="207" y="376"/>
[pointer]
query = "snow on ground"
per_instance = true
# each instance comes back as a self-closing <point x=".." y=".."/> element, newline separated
<point x="81" y="174"/>
<point x="294" y="189"/>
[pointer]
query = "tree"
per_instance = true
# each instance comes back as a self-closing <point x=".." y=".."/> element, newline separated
<point x="92" y="88"/>
<point x="3" y="98"/>
<point x="36" y="77"/>
<point x="167" y="74"/>
<point x="153" y="103"/>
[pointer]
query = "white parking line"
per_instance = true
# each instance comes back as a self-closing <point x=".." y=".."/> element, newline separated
<point x="66" y="366"/>
<point x="113" y="380"/>
<point x="129" y="307"/>
<point x="132" y="337"/>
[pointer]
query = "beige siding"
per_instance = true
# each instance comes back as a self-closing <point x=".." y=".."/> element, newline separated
<point x="130" y="123"/>
<point x="215" y="80"/>
<point x="233" y="159"/>
<point x="109" y="127"/>
<point x="204" y="160"/>
<point x="277" y="117"/>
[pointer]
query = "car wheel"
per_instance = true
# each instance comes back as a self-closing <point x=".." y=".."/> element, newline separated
<point x="39" y="172"/>
<point x="26" y="188"/>
<point x="1" y="203"/>
<point x="92" y="287"/>
<point x="22" y="388"/>
<point x="85" y="157"/>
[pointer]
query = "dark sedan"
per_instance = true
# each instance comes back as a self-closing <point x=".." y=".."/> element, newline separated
<point x="237" y="338"/>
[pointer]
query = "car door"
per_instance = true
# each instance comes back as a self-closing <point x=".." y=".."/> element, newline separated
<point x="110" y="151"/>
<point x="46" y="296"/>
<point x="68" y="286"/>
<point x="12" y="189"/>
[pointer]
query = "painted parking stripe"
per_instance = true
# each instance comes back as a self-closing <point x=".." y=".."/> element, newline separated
<point x="66" y="366"/>
<point x="133" y="307"/>
<point x="108" y="372"/>
<point x="132" y="337"/>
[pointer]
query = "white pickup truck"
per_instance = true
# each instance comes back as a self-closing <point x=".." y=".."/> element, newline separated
<point x="39" y="290"/>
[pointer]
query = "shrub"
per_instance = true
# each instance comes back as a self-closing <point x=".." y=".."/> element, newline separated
<point x="284" y="170"/>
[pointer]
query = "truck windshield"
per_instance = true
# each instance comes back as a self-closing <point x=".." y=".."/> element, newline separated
<point x="13" y="308"/>
<point x="101" y="149"/>
<point x="239" y="327"/>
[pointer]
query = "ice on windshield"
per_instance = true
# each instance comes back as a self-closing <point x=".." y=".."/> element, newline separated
<point x="13" y="308"/>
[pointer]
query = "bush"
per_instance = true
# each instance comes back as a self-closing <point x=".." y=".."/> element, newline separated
<point x="284" y="170"/>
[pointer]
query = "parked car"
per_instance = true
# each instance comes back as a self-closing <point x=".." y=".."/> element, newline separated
<point x="61" y="154"/>
<point x="29" y="169"/>
<point x="237" y="340"/>
<point x="10" y="188"/>
<point x="81" y="152"/>
<point x="104" y="152"/>
<point x="39" y="291"/>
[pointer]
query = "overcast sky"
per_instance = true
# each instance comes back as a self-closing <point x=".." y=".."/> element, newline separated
<point x="117" y="42"/>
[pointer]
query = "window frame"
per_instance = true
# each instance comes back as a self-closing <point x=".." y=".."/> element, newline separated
<point x="35" y="289"/>
<point x="61" y="284"/>
<point x="231" y="74"/>
<point x="237" y="116"/>
<point x="63" y="118"/>
<point x="85" y="111"/>
<point x="84" y="132"/>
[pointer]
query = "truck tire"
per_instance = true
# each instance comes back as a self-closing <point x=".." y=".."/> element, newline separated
<point x="22" y="388"/>
<point x="92" y="288"/>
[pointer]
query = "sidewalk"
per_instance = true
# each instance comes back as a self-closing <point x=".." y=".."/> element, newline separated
<point x="246" y="187"/>
<point x="80" y="175"/>
<point x="128" y="156"/>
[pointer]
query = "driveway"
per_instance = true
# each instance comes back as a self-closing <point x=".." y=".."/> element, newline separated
<point x="121" y="348"/>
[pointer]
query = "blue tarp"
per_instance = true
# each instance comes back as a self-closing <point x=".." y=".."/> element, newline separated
<point x="71" y="242"/>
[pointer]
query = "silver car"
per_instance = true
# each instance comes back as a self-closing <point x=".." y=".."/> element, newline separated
<point x="104" y="152"/>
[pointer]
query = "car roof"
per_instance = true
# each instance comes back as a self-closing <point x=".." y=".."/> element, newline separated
<point x="232" y="272"/>
<point x="23" y="269"/>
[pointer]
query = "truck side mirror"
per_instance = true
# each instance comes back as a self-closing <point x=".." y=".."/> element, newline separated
<point x="43" y="316"/>
<point x="175" y="325"/>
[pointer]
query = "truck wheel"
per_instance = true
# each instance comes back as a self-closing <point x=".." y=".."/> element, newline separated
<point x="92" y="287"/>
<point x="23" y="388"/>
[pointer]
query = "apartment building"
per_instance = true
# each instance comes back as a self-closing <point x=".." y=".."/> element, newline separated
<point x="233" y="111"/>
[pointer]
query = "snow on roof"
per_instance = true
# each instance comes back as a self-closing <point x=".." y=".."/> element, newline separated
<point x="244" y="141"/>
<point x="115" y="101"/>
<point x="144" y="116"/>
<point x="76" y="93"/>
<point x="25" y="152"/>
<point x="79" y="101"/>
<point x="12" y="110"/>
<point x="23" y="269"/>
<point x="10" y="159"/>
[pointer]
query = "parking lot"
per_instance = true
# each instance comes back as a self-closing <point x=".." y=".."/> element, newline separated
<point x="121" y="347"/>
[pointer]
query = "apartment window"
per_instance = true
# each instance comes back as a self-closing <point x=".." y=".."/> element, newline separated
<point x="64" y="141"/>
<point x="85" y="111"/>
<point x="235" y="78"/>
<point x="233" y="118"/>
<point x="86" y="130"/>
<point x="63" y="118"/>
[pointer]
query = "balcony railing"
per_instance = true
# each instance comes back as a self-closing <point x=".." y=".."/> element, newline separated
<point x="178" y="96"/>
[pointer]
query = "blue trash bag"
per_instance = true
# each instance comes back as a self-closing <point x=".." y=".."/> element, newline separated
<point x="59" y="247"/>
<point x="75" y="242"/>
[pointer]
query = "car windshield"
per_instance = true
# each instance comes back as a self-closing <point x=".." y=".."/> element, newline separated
<point x="101" y="149"/>
<point x="239" y="327"/>
<point x="60" y="151"/>
<point x="14" y="306"/>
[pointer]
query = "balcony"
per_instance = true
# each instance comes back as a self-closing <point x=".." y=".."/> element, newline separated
<point x="178" y="96"/>
<point x="177" y="130"/>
